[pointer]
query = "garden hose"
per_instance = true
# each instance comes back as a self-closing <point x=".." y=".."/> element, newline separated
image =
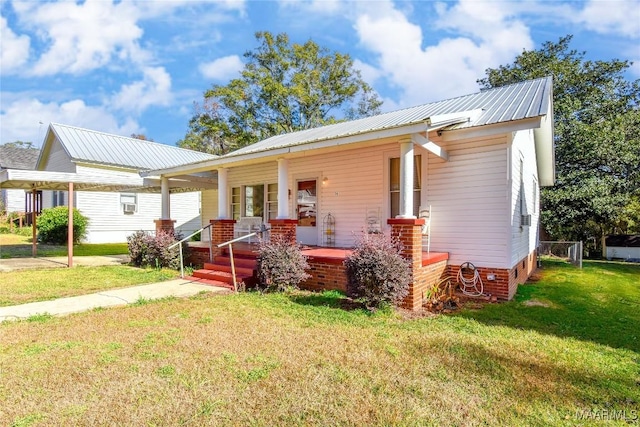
<point x="470" y="286"/>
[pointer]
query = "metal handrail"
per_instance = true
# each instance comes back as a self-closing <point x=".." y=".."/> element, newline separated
<point x="230" y="243"/>
<point x="187" y="238"/>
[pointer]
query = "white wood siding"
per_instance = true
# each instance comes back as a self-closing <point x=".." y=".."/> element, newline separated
<point x="108" y="223"/>
<point x="58" y="160"/>
<point x="13" y="200"/>
<point x="469" y="199"/>
<point x="524" y="239"/>
<point x="209" y="209"/>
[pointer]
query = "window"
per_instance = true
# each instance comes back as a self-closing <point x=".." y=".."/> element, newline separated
<point x="254" y="200"/>
<point x="307" y="203"/>
<point x="394" y="184"/>
<point x="235" y="203"/>
<point x="58" y="198"/>
<point x="129" y="203"/>
<point x="272" y="201"/>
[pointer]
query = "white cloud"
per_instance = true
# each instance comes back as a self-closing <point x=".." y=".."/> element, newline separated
<point x="612" y="17"/>
<point x="451" y="66"/>
<point x="83" y="37"/>
<point x="21" y="119"/>
<point x="153" y="89"/>
<point x="15" y="48"/>
<point x="222" y="69"/>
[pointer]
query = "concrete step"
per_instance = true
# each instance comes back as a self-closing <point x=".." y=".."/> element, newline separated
<point x="210" y="282"/>
<point x="238" y="261"/>
<point x="222" y="276"/>
<point x="227" y="268"/>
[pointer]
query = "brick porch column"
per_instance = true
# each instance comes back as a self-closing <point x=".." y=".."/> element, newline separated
<point x="409" y="232"/>
<point x="221" y="231"/>
<point x="284" y="227"/>
<point x="165" y="225"/>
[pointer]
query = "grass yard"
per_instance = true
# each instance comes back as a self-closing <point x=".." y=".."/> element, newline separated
<point x="560" y="354"/>
<point x="16" y="246"/>
<point x="23" y="286"/>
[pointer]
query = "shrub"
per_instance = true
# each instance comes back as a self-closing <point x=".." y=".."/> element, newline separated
<point x="281" y="265"/>
<point x="53" y="223"/>
<point x="147" y="250"/>
<point x="376" y="271"/>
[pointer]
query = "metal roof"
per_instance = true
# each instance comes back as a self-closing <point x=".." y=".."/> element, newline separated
<point x="90" y="146"/>
<point x="12" y="157"/>
<point x="502" y="104"/>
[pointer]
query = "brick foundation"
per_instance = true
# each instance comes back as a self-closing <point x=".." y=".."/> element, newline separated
<point x="506" y="281"/>
<point x="165" y="225"/>
<point x="284" y="227"/>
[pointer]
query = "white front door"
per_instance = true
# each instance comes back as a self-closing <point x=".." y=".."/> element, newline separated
<point x="307" y="211"/>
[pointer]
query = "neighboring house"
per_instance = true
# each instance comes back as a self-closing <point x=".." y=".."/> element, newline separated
<point x="117" y="210"/>
<point x="623" y="246"/>
<point x="16" y="157"/>
<point x="477" y="161"/>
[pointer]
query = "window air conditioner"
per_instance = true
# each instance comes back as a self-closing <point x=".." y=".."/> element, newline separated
<point x="525" y="220"/>
<point x="128" y="208"/>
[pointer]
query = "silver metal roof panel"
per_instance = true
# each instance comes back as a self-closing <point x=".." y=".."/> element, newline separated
<point x="90" y="146"/>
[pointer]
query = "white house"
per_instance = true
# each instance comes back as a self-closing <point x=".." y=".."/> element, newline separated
<point x="16" y="157"/>
<point x="477" y="161"/>
<point x="109" y="190"/>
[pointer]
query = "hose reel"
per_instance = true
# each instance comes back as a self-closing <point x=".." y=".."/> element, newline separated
<point x="470" y="280"/>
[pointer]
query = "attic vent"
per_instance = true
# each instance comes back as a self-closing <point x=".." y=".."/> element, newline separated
<point x="525" y="220"/>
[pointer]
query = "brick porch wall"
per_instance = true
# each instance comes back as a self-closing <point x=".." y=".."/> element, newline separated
<point x="326" y="274"/>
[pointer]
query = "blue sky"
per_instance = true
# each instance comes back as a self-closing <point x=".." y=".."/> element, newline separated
<point x="128" y="67"/>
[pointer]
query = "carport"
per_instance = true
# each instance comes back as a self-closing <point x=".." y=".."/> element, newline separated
<point x="34" y="180"/>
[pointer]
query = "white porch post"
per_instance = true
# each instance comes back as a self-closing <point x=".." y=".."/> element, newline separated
<point x="166" y="198"/>
<point x="283" y="189"/>
<point x="406" y="179"/>
<point x="223" y="196"/>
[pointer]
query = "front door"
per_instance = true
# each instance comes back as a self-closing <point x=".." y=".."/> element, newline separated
<point x="307" y="211"/>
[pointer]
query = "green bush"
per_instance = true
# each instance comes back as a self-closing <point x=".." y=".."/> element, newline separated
<point x="147" y="250"/>
<point x="377" y="273"/>
<point x="53" y="224"/>
<point x="281" y="265"/>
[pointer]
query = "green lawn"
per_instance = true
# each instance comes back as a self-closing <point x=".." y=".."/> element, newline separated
<point x="302" y="359"/>
<point x="16" y="246"/>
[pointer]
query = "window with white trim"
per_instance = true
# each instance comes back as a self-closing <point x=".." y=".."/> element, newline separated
<point x="394" y="184"/>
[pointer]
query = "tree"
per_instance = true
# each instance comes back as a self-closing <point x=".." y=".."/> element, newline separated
<point x="283" y="88"/>
<point x="597" y="126"/>
<point x="20" y="144"/>
<point x="141" y="136"/>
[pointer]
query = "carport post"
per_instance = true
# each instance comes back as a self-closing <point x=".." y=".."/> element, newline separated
<point x="70" y="229"/>
<point x="34" y="248"/>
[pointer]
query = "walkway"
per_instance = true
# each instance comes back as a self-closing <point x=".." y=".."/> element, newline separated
<point x="106" y="298"/>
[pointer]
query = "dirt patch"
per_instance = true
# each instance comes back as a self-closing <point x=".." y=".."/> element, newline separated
<point x="536" y="303"/>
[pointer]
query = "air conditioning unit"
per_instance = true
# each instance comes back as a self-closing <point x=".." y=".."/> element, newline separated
<point x="525" y="220"/>
<point x="128" y="208"/>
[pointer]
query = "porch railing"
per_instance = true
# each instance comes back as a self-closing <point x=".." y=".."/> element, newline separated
<point x="187" y="238"/>
<point x="230" y="243"/>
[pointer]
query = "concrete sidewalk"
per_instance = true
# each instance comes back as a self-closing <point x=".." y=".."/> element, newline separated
<point x="108" y="298"/>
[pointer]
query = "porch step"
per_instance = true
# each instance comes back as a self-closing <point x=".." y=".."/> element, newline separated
<point x="249" y="271"/>
<point x="210" y="282"/>
<point x="242" y="262"/>
<point x="222" y="276"/>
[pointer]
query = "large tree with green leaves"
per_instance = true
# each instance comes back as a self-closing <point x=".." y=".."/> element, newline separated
<point x="283" y="88"/>
<point x="597" y="140"/>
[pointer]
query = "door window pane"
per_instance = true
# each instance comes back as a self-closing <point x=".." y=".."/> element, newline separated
<point x="307" y="203"/>
<point x="254" y="200"/>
